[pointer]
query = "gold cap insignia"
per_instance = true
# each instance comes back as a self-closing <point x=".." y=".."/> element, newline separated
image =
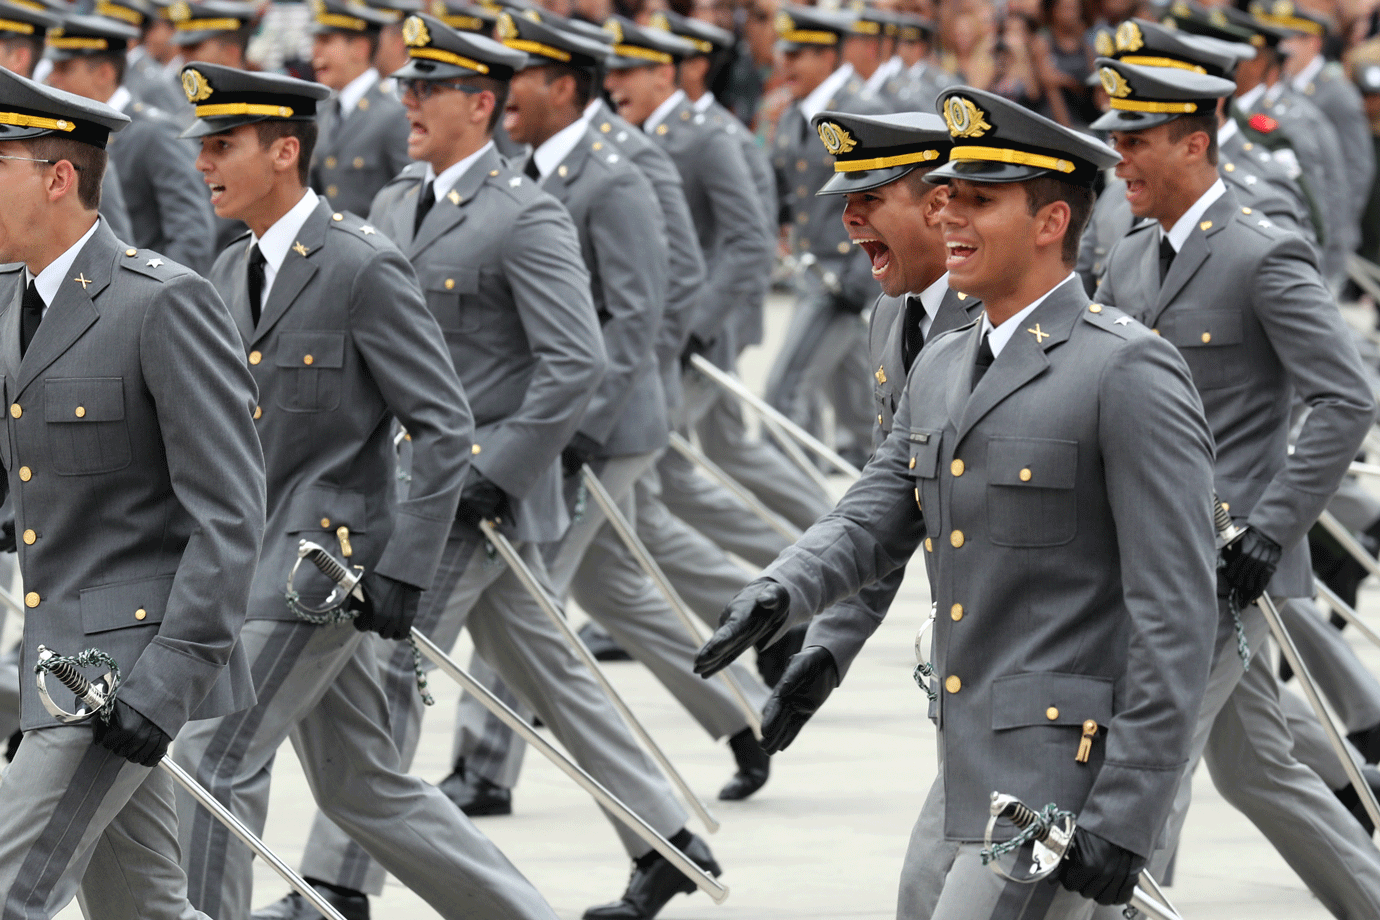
<point x="318" y="8"/>
<point x="784" y="23"/>
<point x="507" y="29"/>
<point x="1128" y="37"/>
<point x="437" y="8"/>
<point x="659" y="21"/>
<point x="1103" y="44"/>
<point x="1217" y="17"/>
<point x="1283" y="8"/>
<point x="1114" y="83"/>
<point x="195" y="85"/>
<point x="964" y="118"/>
<point x="180" y="11"/>
<point x="415" y="33"/>
<point x="613" y="28"/>
<point x="836" y="138"/>
<point x="533" y="14"/>
<point x="1181" y="9"/>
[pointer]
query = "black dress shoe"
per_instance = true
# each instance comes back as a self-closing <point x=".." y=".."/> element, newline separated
<point x="1352" y="799"/>
<point x="654" y="882"/>
<point x="601" y="644"/>
<point x="754" y="766"/>
<point x="353" y="906"/>
<point x="476" y="796"/>
<point x="772" y="661"/>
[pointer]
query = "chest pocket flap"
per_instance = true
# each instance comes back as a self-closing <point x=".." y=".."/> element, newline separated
<point x="924" y="452"/>
<point x="446" y="286"/>
<point x="323" y="509"/>
<point x="130" y="603"/>
<point x="1206" y="328"/>
<point x="1039" y="463"/>
<point x="83" y="399"/>
<point x="1022" y="700"/>
<point x="311" y="349"/>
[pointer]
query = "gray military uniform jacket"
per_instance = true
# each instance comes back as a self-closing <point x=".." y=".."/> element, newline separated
<point x="137" y="480"/>
<point x="802" y="167"/>
<point x="169" y="207"/>
<point x="1064" y="506"/>
<point x="345" y="344"/>
<point x="499" y="262"/>
<point x="847" y="625"/>
<point x="622" y="237"/>
<point x="1245" y="305"/>
<point x="113" y="207"/>
<point x="1339" y="99"/>
<point x="727" y="215"/>
<point x="153" y="86"/>
<point x="361" y="154"/>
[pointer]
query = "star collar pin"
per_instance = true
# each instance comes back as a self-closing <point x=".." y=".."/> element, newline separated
<point x="155" y="262"/>
<point x="454" y="196"/>
<point x="301" y="250"/>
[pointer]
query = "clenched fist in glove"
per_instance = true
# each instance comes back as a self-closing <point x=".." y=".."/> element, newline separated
<point x="1099" y="869"/>
<point x="389" y="606"/>
<point x="1250" y="564"/>
<point x="131" y="736"/>
<point x="481" y="499"/>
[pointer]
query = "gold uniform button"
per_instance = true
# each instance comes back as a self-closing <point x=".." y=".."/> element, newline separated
<point x="952" y="683"/>
<point x="475" y="448"/>
<point x="450" y="284"/>
<point x="325" y="522"/>
<point x="1052" y="713"/>
<point x="141" y="614"/>
<point x="30" y="537"/>
<point x="307" y="359"/>
<point x="912" y="463"/>
<point x="956" y="539"/>
<point x="1025" y="474"/>
<point x="1094" y="308"/>
<point x="131" y="252"/>
<point x="879" y="418"/>
<point x="801" y="166"/>
<point x="80" y="412"/>
<point x="956" y="467"/>
<point x="258" y="412"/>
<point x="802" y="218"/>
<point x="358" y="163"/>
<point x="929" y="545"/>
<point x="337" y="216"/>
<point x="31" y="599"/>
<point x="844" y="247"/>
<point x="255" y="357"/>
<point x="956" y="612"/>
<point x="1245" y="210"/>
<point x="661" y="130"/>
<point x="1229" y="167"/>
<point x="802" y="192"/>
<point x="330" y="162"/>
<point x="1156" y="331"/>
<point x="332" y="191"/>
<point x="25" y="474"/>
<point x="16" y="410"/>
<point x="1207" y="337"/>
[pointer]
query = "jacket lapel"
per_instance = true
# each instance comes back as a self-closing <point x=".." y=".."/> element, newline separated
<point x="237" y="298"/>
<point x="560" y="181"/>
<point x="955" y="310"/>
<point x="297" y="269"/>
<point x="449" y="211"/>
<point x="1195" y="251"/>
<point x="72" y="311"/>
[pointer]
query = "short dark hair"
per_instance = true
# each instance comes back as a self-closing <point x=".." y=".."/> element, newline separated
<point x="90" y="163"/>
<point x="583" y="77"/>
<point x="305" y="132"/>
<point x="1185" y="125"/>
<point x="500" y="90"/>
<point x="1047" y="190"/>
<point x="33" y="42"/>
<point x="116" y="59"/>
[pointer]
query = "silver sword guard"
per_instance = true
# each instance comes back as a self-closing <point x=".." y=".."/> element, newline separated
<point x="92" y="694"/>
<point x="346" y="580"/>
<point x="1051" y="841"/>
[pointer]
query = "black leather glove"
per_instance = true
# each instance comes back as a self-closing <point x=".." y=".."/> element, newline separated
<point x="7" y="542"/>
<point x="389" y="607"/>
<point x="1250" y="564"/>
<point x="577" y="453"/>
<point x="807" y="682"/>
<point x="755" y="613"/>
<point x="694" y="346"/>
<point x="481" y="499"/>
<point x="1099" y="869"/>
<point x="131" y="736"/>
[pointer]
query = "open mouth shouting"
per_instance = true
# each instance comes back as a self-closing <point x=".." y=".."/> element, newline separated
<point x="958" y="255"/>
<point x="878" y="253"/>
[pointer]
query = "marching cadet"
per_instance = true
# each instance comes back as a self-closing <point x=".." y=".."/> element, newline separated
<point x="822" y="355"/>
<point x="870" y="48"/>
<point x="894" y="213"/>
<point x="339" y="342"/>
<point x="500" y="263"/>
<point x="392" y="50"/>
<point x="363" y="142"/>
<point x="1246" y="307"/>
<point x="145" y="75"/>
<point x="138" y="488"/>
<point x="168" y="205"/>
<point x="927" y="79"/>
<point x="625" y="425"/>
<point x="1327" y="86"/>
<point x="1051" y="436"/>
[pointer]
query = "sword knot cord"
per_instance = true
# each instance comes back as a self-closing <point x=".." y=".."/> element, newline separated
<point x="68" y="672"/>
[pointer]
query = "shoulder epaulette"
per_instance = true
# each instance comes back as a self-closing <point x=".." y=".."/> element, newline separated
<point x="152" y="265"/>
<point x="1111" y="320"/>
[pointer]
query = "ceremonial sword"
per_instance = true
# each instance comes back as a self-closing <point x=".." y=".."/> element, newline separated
<point x="95" y="696"/>
<point x="348" y="582"/>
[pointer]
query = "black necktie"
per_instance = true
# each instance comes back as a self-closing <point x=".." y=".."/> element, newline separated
<point x="984" y="360"/>
<point x="256" y="283"/>
<point x="424" y="204"/>
<point x="914" y="338"/>
<point x="30" y="315"/>
<point x="530" y="169"/>
<point x="1166" y="257"/>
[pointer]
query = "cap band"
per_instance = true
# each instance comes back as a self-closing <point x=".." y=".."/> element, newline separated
<point x="78" y="44"/>
<point x="1151" y="61"/>
<point x="646" y="54"/>
<point x="808" y="37"/>
<point x="864" y="27"/>
<point x="466" y="23"/>
<point x="446" y="57"/>
<point x="1015" y="157"/>
<point x="30" y="5"/>
<point x="522" y="44"/>
<point x="35" y="121"/>
<point x="1167" y="108"/>
<point x="338" y="21"/>
<point x="224" y="24"/>
<point x="115" y="11"/>
<point x="243" y="108"/>
<point x="9" y="25"/>
<point x="901" y="159"/>
<point x="1297" y="23"/>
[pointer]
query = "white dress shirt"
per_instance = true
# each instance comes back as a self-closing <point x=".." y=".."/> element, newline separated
<point x="819" y="97"/>
<point x="356" y="89"/>
<point x="1178" y="234"/>
<point x="660" y="112"/>
<point x="278" y="239"/>
<point x="998" y="336"/>
<point x="50" y="279"/>
<point x="452" y="173"/>
<point x="558" y="146"/>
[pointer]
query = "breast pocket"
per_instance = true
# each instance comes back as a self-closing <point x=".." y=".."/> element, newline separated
<point x="85" y="418"/>
<point x="1030" y="494"/>
<point x="310" y="374"/>
<point x="450" y="293"/>
<point x="1210" y="341"/>
<point x="923" y="467"/>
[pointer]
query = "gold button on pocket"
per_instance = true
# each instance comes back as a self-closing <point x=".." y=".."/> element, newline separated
<point x="1095" y="308"/>
<point x="307" y="359"/>
<point x="330" y="162"/>
<point x="1025" y="475"/>
<point x="141" y="614"/>
<point x="956" y="539"/>
<point x="450" y="284"/>
<point x="952" y="683"/>
<point x="255" y="357"/>
<point x="1207" y="337"/>
<point x="258" y="412"/>
<point x="956" y="467"/>
<point x="325" y="522"/>
<point x="80" y="412"/>
<point x="30" y="537"/>
<point x="31" y="599"/>
<point x="25" y="474"/>
<point x="1052" y="713"/>
<point x="359" y="163"/>
<point x="956" y="612"/>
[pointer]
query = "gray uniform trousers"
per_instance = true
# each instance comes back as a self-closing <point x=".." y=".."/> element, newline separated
<point x="1356" y="508"/>
<point x="1244" y="737"/>
<point x="318" y="686"/>
<point x="1350" y="688"/>
<point x="593" y="564"/>
<point x="89" y="819"/>
<point x="511" y="632"/>
<point x="715" y="512"/>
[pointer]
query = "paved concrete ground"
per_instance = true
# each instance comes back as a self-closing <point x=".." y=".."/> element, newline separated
<point x="825" y="838"/>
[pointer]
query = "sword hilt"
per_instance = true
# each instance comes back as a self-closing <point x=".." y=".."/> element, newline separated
<point x="1021" y="815"/>
<point x="94" y="695"/>
<point x="1227" y="530"/>
<point x="323" y="560"/>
